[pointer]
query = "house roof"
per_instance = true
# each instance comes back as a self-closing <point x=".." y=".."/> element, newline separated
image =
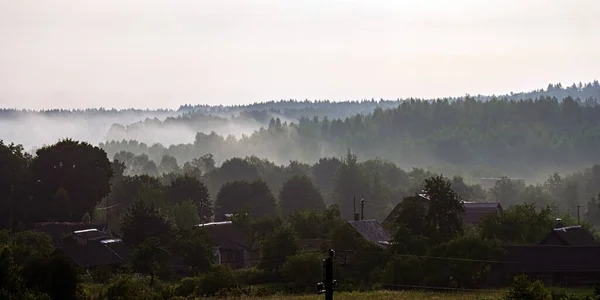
<point x="226" y="235"/>
<point x="389" y="220"/>
<point x="474" y="211"/>
<point x="371" y="231"/>
<point x="57" y="230"/>
<point x="91" y="234"/>
<point x="97" y="253"/>
<point x="572" y="236"/>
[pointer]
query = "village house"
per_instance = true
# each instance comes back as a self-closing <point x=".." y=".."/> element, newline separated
<point x="97" y="253"/>
<point x="566" y="256"/>
<point x="59" y="230"/>
<point x="474" y="211"/>
<point x="230" y="244"/>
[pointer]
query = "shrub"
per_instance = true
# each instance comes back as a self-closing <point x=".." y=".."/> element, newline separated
<point x="218" y="279"/>
<point x="523" y="288"/>
<point x="127" y="287"/>
<point x="304" y="269"/>
<point x="188" y="286"/>
<point x="254" y="276"/>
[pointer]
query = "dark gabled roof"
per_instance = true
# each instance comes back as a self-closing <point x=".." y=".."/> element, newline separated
<point x="226" y="235"/>
<point x="91" y="234"/>
<point x="551" y="258"/>
<point x="371" y="231"/>
<point x="391" y="217"/>
<point x="474" y="211"/>
<point x="572" y="236"/>
<point x="118" y="247"/>
<point x="57" y="230"/>
<point x="96" y="253"/>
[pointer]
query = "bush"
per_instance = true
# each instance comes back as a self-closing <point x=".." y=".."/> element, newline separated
<point x="188" y="286"/>
<point x="304" y="269"/>
<point x="218" y="279"/>
<point x="127" y="287"/>
<point x="254" y="276"/>
<point x="523" y="288"/>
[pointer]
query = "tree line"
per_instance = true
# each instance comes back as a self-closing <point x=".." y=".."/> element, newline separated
<point x="493" y="138"/>
<point x="277" y="207"/>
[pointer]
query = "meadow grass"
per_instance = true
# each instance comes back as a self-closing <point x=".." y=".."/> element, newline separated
<point x="389" y="295"/>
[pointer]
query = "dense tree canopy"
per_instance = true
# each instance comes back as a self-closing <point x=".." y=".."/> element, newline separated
<point x="76" y="176"/>
<point x="299" y="194"/>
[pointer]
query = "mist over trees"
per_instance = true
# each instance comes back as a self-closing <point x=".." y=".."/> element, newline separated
<point x="472" y="136"/>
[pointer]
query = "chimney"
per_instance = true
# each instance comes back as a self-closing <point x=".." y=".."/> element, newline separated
<point x="559" y="223"/>
<point x="356" y="217"/>
<point x="362" y="209"/>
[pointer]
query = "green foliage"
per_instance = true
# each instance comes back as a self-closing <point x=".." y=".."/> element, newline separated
<point x="150" y="257"/>
<point x="473" y="254"/>
<point x="188" y="286"/>
<point x="444" y="215"/>
<point x="404" y="270"/>
<point x="523" y="288"/>
<point x="344" y="237"/>
<point x="298" y="194"/>
<point x="349" y="185"/>
<point x="194" y="247"/>
<point x="303" y="269"/>
<point x="143" y="221"/>
<point x="187" y="188"/>
<point x="218" y="279"/>
<point x="255" y="276"/>
<point x="81" y="170"/>
<point x="519" y="224"/>
<point x="55" y="276"/>
<point x="239" y="195"/>
<point x="125" y="287"/>
<point x="184" y="214"/>
<point x="29" y="245"/>
<point x="276" y="247"/>
<point x="14" y="172"/>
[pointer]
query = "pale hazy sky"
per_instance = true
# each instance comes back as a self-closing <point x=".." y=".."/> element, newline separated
<point x="150" y="53"/>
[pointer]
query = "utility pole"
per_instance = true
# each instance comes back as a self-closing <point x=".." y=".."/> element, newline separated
<point x="329" y="285"/>
<point x="578" y="222"/>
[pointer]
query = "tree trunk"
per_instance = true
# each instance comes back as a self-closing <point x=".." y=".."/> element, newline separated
<point x="151" y="278"/>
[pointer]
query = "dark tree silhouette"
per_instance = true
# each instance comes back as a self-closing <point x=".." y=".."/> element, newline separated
<point x="189" y="188"/>
<point x="299" y="194"/>
<point x="143" y="221"/>
<point x="236" y="196"/>
<point x="77" y="174"/>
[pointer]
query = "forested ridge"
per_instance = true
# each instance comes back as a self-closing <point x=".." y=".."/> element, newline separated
<point x="477" y="138"/>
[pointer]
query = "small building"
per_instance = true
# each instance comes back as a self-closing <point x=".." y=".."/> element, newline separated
<point x="566" y="256"/>
<point x="97" y="253"/>
<point x="388" y="222"/>
<point x="230" y="244"/>
<point x="553" y="264"/>
<point x="371" y="231"/>
<point x="58" y="230"/>
<point x="475" y="211"/>
<point x="569" y="236"/>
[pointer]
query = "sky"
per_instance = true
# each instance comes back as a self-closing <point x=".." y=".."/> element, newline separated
<point x="151" y="54"/>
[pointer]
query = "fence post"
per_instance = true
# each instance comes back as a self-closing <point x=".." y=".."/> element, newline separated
<point x="329" y="285"/>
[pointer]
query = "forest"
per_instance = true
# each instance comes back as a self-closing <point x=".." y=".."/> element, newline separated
<point x="290" y="189"/>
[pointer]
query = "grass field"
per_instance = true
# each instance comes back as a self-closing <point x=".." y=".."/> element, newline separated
<point x="389" y="295"/>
